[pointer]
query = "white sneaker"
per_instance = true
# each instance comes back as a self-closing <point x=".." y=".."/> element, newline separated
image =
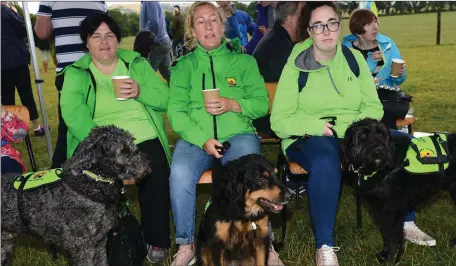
<point x="185" y="256"/>
<point x="414" y="234"/>
<point x="274" y="259"/>
<point x="326" y="256"/>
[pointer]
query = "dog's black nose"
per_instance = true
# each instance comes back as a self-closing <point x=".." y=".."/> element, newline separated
<point x="377" y="150"/>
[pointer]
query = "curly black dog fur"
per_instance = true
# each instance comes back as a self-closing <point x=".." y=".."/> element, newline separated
<point x="390" y="193"/>
<point x="235" y="226"/>
<point x="78" y="212"/>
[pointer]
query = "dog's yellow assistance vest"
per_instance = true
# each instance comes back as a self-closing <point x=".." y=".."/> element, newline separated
<point x="34" y="180"/>
<point x="427" y="155"/>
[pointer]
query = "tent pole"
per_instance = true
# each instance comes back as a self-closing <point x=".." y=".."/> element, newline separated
<point x="38" y="80"/>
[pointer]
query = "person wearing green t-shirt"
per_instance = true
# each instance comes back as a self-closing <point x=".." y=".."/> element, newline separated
<point x="88" y="100"/>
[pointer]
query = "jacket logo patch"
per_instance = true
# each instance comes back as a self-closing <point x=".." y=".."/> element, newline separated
<point x="231" y="82"/>
<point x="350" y="78"/>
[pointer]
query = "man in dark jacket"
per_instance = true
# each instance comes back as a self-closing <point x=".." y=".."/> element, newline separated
<point x="273" y="50"/>
<point x="15" y="60"/>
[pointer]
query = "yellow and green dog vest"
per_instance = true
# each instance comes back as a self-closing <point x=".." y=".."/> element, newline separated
<point x="34" y="180"/>
<point x="427" y="155"/>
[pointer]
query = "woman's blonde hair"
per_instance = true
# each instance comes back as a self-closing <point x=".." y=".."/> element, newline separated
<point x="190" y="41"/>
<point x="176" y="11"/>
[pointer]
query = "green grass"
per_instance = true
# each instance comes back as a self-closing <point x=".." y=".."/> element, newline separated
<point x="430" y="80"/>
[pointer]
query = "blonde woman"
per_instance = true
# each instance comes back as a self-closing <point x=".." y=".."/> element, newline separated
<point x="177" y="29"/>
<point x="212" y="62"/>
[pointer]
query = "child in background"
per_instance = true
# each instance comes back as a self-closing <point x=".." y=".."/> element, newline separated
<point x="13" y="130"/>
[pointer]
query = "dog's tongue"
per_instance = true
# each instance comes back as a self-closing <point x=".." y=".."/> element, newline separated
<point x="272" y="206"/>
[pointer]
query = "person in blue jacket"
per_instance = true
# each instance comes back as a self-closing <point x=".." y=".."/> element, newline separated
<point x="238" y="23"/>
<point x="265" y="22"/>
<point x="378" y="49"/>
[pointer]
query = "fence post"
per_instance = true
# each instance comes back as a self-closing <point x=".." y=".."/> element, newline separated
<point x="438" y="26"/>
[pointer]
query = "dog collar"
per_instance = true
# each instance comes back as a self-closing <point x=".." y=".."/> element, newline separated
<point x="97" y="177"/>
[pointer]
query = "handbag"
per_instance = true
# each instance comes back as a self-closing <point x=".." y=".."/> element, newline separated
<point x="126" y="245"/>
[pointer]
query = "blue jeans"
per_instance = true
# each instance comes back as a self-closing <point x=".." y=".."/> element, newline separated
<point x="188" y="163"/>
<point x="320" y="157"/>
<point x="411" y="215"/>
<point x="175" y="43"/>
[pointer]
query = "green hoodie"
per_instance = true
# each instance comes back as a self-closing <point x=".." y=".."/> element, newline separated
<point x="331" y="90"/>
<point x="236" y="75"/>
<point x="78" y="98"/>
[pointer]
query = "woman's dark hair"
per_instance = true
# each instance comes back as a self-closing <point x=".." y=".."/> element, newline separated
<point x="360" y="18"/>
<point x="91" y="23"/>
<point x="307" y="10"/>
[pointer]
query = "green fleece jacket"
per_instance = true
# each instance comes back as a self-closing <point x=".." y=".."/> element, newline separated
<point x="78" y="99"/>
<point x="331" y="90"/>
<point x="236" y="75"/>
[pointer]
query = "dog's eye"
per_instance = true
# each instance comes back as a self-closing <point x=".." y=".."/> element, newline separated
<point x="263" y="180"/>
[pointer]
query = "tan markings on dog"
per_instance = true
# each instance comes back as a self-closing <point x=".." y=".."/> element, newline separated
<point x="206" y="257"/>
<point x="266" y="174"/>
<point x="276" y="171"/>
<point x="223" y="230"/>
<point x="251" y="206"/>
<point x="260" y="254"/>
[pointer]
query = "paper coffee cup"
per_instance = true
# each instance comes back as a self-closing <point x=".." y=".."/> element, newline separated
<point x="118" y="81"/>
<point x="396" y="66"/>
<point x="211" y="94"/>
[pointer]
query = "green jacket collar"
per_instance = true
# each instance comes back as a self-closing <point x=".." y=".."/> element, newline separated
<point x="125" y="55"/>
<point x="303" y="58"/>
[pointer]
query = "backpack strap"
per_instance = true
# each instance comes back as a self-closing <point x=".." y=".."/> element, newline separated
<point x="302" y="80"/>
<point x="351" y="60"/>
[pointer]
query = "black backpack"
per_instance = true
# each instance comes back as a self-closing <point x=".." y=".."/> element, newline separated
<point x="263" y="124"/>
<point x="126" y="245"/>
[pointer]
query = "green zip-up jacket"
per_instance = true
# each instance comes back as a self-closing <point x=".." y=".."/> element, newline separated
<point x="236" y="75"/>
<point x="331" y="90"/>
<point x="78" y="99"/>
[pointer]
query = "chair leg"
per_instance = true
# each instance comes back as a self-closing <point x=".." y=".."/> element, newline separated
<point x="358" y="209"/>
<point x="283" y="177"/>
<point x="54" y="252"/>
<point x="28" y="143"/>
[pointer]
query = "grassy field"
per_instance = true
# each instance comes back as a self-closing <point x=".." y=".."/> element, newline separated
<point x="432" y="82"/>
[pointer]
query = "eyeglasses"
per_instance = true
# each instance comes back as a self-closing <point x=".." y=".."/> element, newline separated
<point x="319" y="28"/>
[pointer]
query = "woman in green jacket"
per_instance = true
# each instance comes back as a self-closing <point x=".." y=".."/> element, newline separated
<point x="212" y="63"/>
<point x="298" y="112"/>
<point x="88" y="100"/>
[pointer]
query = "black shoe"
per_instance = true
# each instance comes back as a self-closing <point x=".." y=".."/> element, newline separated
<point x="40" y="131"/>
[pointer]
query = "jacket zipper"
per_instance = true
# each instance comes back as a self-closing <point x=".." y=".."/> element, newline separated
<point x="94" y="83"/>
<point x="212" y="72"/>
<point x="334" y="84"/>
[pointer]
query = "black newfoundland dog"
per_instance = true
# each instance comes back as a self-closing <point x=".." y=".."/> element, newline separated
<point x="379" y="164"/>
<point x="235" y="226"/>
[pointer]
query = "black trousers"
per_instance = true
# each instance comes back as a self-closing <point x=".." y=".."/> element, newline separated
<point x="60" y="150"/>
<point x="154" y="199"/>
<point x="18" y="78"/>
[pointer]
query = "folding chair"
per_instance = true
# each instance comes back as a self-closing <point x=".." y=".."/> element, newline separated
<point x="22" y="113"/>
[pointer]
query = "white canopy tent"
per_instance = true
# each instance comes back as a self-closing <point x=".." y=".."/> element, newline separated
<point x="38" y="80"/>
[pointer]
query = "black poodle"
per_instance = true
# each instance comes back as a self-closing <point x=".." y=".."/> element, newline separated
<point x="235" y="226"/>
<point x="378" y="164"/>
<point x="78" y="212"/>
